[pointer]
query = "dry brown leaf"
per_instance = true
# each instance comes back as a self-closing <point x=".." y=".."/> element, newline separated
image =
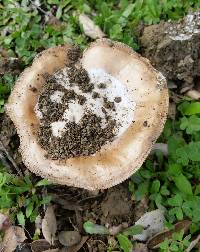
<point x="49" y="225"/>
<point x="52" y="250"/>
<point x="154" y="242"/>
<point x="90" y="28"/>
<point x="69" y="238"/>
<point x="172" y="110"/>
<point x="194" y="94"/>
<point x="4" y="222"/>
<point x="40" y="245"/>
<point x="162" y="147"/>
<point x="140" y="247"/>
<point x="76" y="247"/>
<point x="13" y="237"/>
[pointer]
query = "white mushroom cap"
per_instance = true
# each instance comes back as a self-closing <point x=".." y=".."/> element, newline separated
<point x="116" y="161"/>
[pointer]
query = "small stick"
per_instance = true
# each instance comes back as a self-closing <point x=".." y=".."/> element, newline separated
<point x="40" y="9"/>
<point x="2" y="147"/>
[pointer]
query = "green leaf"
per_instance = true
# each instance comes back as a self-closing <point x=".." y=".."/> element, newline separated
<point x="174" y="170"/>
<point x="178" y="236"/>
<point x="92" y="228"/>
<point x="137" y="229"/>
<point x="194" y="151"/>
<point x="29" y="209"/>
<point x="125" y="243"/>
<point x="191" y="124"/>
<point x="197" y="190"/>
<point x="175" y="201"/>
<point x="173" y="247"/>
<point x="142" y="190"/>
<point x="174" y="143"/>
<point x="155" y="187"/>
<point x="21" y="218"/>
<point x="164" y="191"/>
<point x="165" y="244"/>
<point x="183" y="184"/>
<point x="43" y="182"/>
<point x="179" y="214"/>
<point x="190" y="108"/>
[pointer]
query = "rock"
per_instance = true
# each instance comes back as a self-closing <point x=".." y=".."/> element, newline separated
<point x="153" y="222"/>
<point x="174" y="48"/>
<point x="69" y="238"/>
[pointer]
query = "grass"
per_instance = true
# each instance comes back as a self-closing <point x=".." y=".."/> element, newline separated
<point x="171" y="183"/>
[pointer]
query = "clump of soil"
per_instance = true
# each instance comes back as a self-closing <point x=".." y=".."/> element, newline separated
<point x="78" y="139"/>
<point x="81" y="139"/>
<point x="114" y="209"/>
<point x="108" y="104"/>
<point x="174" y="48"/>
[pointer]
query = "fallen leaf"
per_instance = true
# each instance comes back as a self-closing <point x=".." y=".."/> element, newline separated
<point x="69" y="238"/>
<point x="49" y="225"/>
<point x="172" y="110"/>
<point x="154" y="242"/>
<point x="13" y="237"/>
<point x="76" y="247"/>
<point x="4" y="222"/>
<point x="90" y="28"/>
<point x="40" y="245"/>
<point x="114" y="230"/>
<point x="194" y="94"/>
<point x="193" y="244"/>
<point x="52" y="250"/>
<point x="153" y="222"/>
<point x="92" y="228"/>
<point x="162" y="147"/>
<point x="140" y="247"/>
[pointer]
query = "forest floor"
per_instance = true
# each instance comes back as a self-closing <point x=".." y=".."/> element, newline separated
<point x="166" y="188"/>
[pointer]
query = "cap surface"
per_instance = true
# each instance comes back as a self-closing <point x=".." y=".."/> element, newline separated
<point x="114" y="162"/>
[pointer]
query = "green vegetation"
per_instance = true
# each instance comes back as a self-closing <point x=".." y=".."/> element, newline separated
<point x="171" y="183"/>
<point x="20" y="198"/>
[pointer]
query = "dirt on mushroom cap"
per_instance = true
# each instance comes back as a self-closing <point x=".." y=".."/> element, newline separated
<point x="78" y="139"/>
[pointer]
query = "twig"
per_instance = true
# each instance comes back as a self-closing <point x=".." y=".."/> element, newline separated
<point x="2" y="147"/>
<point x="193" y="244"/>
<point x="40" y="9"/>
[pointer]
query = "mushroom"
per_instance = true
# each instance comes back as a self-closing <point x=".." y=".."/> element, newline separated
<point x="131" y="105"/>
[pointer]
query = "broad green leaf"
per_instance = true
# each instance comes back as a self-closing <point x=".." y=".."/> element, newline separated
<point x="197" y="190"/>
<point x="179" y="214"/>
<point x="164" y="191"/>
<point x="29" y="209"/>
<point x="174" y="143"/>
<point x="190" y="108"/>
<point x="21" y="218"/>
<point x="155" y="187"/>
<point x="142" y="190"/>
<point x="194" y="151"/>
<point x="173" y="247"/>
<point x="191" y="124"/>
<point x="174" y="170"/>
<point x="137" y="229"/>
<point x="178" y="236"/>
<point x="165" y="244"/>
<point x="92" y="228"/>
<point x="125" y="243"/>
<point x="183" y="184"/>
<point x="175" y="200"/>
